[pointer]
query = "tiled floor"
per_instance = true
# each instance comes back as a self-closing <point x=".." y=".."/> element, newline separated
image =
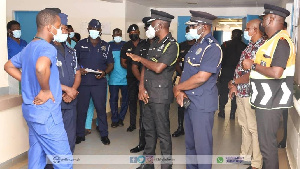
<point x="226" y="133"/>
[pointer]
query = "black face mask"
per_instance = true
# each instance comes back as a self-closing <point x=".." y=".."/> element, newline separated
<point x="261" y="28"/>
<point x="134" y="37"/>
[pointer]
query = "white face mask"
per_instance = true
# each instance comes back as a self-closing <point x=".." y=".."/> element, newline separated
<point x="71" y="34"/>
<point x="62" y="38"/>
<point x="117" y="39"/>
<point x="246" y="36"/>
<point x="58" y="34"/>
<point x="150" y="33"/>
<point x="194" y="34"/>
<point x="94" y="34"/>
<point x="17" y="34"/>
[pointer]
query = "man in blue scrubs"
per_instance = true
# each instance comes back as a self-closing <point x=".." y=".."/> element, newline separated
<point x="14" y="42"/>
<point x="198" y="83"/>
<point x="70" y="77"/>
<point x="93" y="53"/>
<point x="41" y="93"/>
<point x="117" y="81"/>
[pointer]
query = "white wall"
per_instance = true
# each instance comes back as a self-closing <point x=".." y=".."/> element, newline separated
<point x="80" y="13"/>
<point x="134" y="14"/>
<point x="3" y="45"/>
<point x="239" y="11"/>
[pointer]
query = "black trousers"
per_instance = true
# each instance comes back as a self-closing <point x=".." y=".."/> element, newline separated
<point x="223" y="92"/>
<point x="133" y="90"/>
<point x="267" y="127"/>
<point x="157" y="125"/>
<point x="142" y="140"/>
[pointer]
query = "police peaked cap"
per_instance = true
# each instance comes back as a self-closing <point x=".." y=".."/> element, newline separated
<point x="63" y="18"/>
<point x="272" y="9"/>
<point x="201" y="17"/>
<point x="94" y="23"/>
<point x="160" y="15"/>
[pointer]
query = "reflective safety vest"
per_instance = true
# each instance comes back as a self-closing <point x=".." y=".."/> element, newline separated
<point x="269" y="93"/>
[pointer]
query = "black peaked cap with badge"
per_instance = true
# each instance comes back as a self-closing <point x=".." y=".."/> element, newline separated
<point x="132" y="27"/>
<point x="145" y="21"/>
<point x="202" y="17"/>
<point x="94" y="23"/>
<point x="272" y="9"/>
<point x="160" y="15"/>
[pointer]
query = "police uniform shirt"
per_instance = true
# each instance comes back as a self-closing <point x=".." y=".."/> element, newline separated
<point x="159" y="85"/>
<point x="184" y="47"/>
<point x="129" y="47"/>
<point x="203" y="56"/>
<point x="142" y="50"/>
<point x="67" y="66"/>
<point x="26" y="60"/>
<point x="91" y="57"/>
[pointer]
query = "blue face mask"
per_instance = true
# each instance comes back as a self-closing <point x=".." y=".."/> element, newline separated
<point x="188" y="36"/>
<point x="117" y="39"/>
<point x="94" y="34"/>
<point x="246" y="36"/>
<point x="194" y="34"/>
<point x="71" y="34"/>
<point x="16" y="33"/>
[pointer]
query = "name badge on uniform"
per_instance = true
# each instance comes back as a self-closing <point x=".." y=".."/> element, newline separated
<point x="198" y="51"/>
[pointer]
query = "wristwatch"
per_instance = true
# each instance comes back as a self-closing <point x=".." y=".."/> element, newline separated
<point x="253" y="66"/>
<point x="233" y="81"/>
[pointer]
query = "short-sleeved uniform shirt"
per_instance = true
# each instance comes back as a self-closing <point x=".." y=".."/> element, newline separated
<point x="142" y="50"/>
<point x="118" y="75"/>
<point x="67" y="66"/>
<point x="184" y="47"/>
<point x="203" y="56"/>
<point x="91" y="57"/>
<point x="26" y="60"/>
<point x="13" y="47"/>
<point x="159" y="85"/>
<point x="129" y="47"/>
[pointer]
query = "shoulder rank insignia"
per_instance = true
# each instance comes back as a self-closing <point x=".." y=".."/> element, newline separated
<point x="198" y="51"/>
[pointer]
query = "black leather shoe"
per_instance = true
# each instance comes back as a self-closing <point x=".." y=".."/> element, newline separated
<point x="221" y="114"/>
<point x="105" y="140"/>
<point x="121" y="123"/>
<point x="131" y="128"/>
<point x="232" y="116"/>
<point x="137" y="149"/>
<point x="114" y="124"/>
<point x="79" y="140"/>
<point x="178" y="132"/>
<point x="281" y="145"/>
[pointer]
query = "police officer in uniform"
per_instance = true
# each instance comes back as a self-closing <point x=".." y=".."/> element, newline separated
<point x="184" y="47"/>
<point x="93" y="53"/>
<point x="198" y="84"/>
<point x="155" y="87"/>
<point x="141" y="50"/>
<point x="271" y="79"/>
<point x="70" y="77"/>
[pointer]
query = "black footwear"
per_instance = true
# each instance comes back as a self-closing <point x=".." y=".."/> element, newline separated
<point x="97" y="128"/>
<point x="87" y="131"/>
<point x="79" y="139"/>
<point x="114" y="124"/>
<point x="232" y="116"/>
<point x="121" y="123"/>
<point x="105" y="140"/>
<point x="131" y="128"/>
<point x="282" y="144"/>
<point x="178" y="132"/>
<point x="221" y="114"/>
<point x="137" y="149"/>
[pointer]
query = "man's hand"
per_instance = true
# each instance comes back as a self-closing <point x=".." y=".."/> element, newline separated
<point x="143" y="95"/>
<point x="83" y="71"/>
<point x="71" y="92"/>
<point x="230" y="85"/>
<point x="43" y="97"/>
<point x="99" y="76"/>
<point x="66" y="98"/>
<point x="176" y="91"/>
<point x="247" y="63"/>
<point x="232" y="92"/>
<point x="134" y="57"/>
<point x="180" y="97"/>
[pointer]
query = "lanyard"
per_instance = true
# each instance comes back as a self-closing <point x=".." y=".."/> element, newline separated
<point x="39" y="38"/>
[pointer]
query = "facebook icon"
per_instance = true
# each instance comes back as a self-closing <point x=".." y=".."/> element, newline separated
<point x="133" y="159"/>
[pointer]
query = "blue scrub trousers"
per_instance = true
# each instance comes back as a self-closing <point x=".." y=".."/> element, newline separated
<point x="47" y="139"/>
<point x="69" y="118"/>
<point x="198" y="138"/>
<point x="114" y="96"/>
<point x="98" y="94"/>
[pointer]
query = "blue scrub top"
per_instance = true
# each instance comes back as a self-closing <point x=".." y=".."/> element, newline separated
<point x="26" y="60"/>
<point x="118" y="75"/>
<point x="13" y="47"/>
<point x="67" y="68"/>
<point x="91" y="57"/>
<point x="203" y="56"/>
<point x="72" y="45"/>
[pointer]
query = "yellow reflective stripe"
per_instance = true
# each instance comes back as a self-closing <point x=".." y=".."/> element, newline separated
<point x="166" y="47"/>
<point x="177" y="54"/>
<point x="154" y="60"/>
